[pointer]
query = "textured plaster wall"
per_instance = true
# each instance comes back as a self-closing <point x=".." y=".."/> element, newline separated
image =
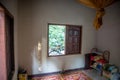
<point x="108" y="37"/>
<point x="34" y="17"/>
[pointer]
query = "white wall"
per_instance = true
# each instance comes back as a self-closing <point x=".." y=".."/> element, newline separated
<point x="108" y="37"/>
<point x="33" y="19"/>
<point x="11" y="5"/>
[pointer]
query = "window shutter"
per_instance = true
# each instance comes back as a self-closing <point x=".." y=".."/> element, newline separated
<point x="73" y="39"/>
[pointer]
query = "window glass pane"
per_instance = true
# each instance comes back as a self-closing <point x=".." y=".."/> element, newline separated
<point x="75" y="40"/>
<point x="70" y="39"/>
<point x="76" y="33"/>
<point x="56" y="40"/>
<point x="70" y="32"/>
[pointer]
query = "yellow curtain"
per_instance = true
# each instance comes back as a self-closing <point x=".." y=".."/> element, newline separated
<point x="99" y="5"/>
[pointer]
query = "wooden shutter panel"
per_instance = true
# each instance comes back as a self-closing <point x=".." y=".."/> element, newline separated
<point x="73" y="39"/>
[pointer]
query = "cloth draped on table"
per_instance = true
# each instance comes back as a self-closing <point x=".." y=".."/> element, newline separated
<point x="99" y="5"/>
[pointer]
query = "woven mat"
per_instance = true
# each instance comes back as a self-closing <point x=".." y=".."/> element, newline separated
<point x="74" y="75"/>
<point x="48" y="77"/>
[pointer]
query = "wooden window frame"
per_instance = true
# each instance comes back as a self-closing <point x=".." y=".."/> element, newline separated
<point x="67" y="43"/>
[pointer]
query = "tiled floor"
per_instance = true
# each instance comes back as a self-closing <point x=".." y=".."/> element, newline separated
<point x="94" y="74"/>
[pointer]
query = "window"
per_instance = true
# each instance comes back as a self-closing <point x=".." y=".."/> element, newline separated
<point x="64" y="39"/>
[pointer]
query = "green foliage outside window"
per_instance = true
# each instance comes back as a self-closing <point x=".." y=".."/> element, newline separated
<point x="56" y="39"/>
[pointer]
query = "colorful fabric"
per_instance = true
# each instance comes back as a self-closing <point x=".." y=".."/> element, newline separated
<point x="74" y="75"/>
<point x="48" y="77"/>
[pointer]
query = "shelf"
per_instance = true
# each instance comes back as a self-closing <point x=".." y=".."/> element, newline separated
<point x="97" y="60"/>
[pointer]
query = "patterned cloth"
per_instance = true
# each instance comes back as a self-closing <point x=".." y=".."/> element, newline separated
<point x="74" y="75"/>
<point x="48" y="77"/>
